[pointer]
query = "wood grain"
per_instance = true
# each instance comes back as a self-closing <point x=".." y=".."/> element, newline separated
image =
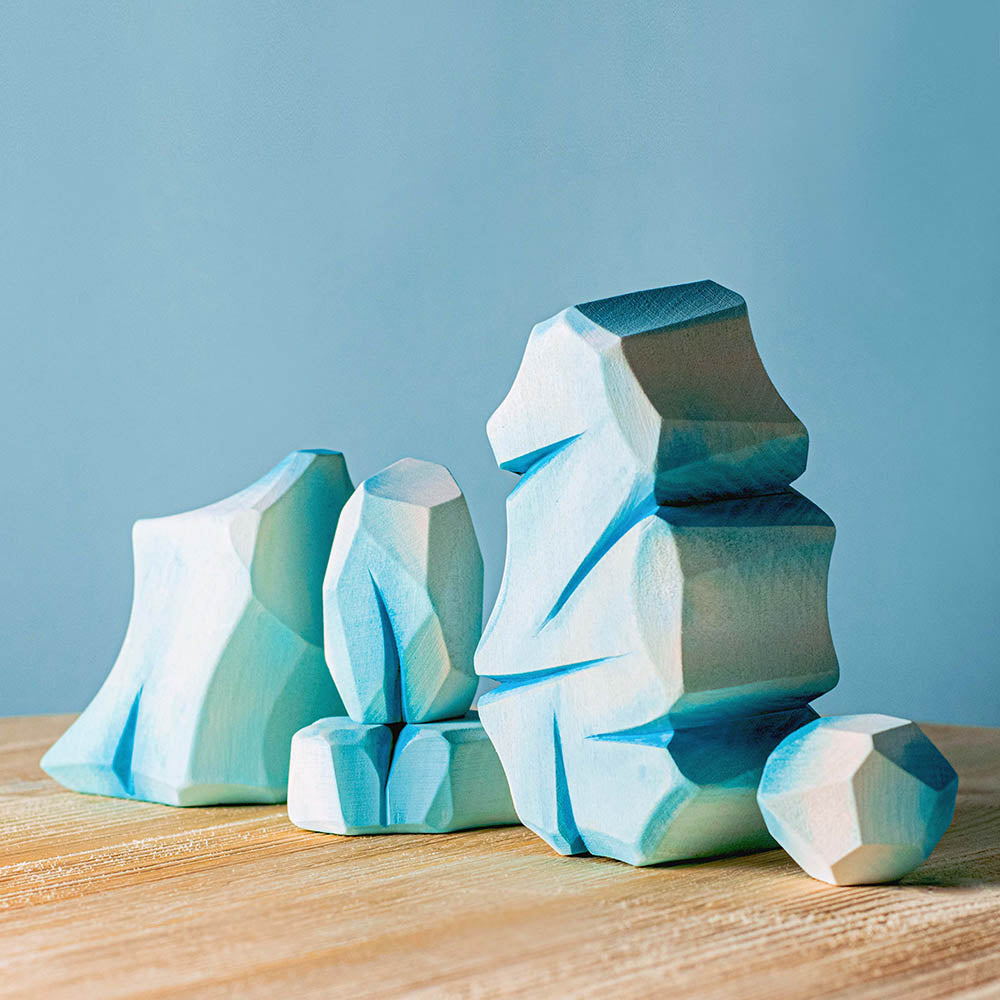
<point x="110" y="898"/>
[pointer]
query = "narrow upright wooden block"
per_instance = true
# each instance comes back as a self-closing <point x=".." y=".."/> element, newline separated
<point x="403" y="597"/>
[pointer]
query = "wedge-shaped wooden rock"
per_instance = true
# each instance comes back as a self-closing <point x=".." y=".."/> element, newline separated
<point x="356" y="778"/>
<point x="661" y="577"/>
<point x="403" y="597"/>
<point x="858" y="798"/>
<point x="223" y="659"/>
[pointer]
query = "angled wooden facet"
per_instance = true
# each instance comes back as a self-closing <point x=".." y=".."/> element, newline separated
<point x="223" y="658"/>
<point x="664" y="588"/>
<point x="403" y="597"/>
<point x="858" y="799"/>
<point x="351" y="777"/>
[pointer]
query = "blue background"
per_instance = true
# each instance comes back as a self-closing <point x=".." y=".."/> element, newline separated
<point x="230" y="230"/>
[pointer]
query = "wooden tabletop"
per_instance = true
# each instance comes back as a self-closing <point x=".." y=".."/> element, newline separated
<point x="107" y="898"/>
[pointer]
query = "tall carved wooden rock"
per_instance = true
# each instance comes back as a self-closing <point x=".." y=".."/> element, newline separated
<point x="403" y="597"/>
<point x="403" y="607"/>
<point x="662" y="624"/>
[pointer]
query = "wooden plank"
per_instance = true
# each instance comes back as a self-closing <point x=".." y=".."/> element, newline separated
<point x="100" y="897"/>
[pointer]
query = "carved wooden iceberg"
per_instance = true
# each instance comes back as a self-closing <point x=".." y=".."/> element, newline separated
<point x="403" y="597"/>
<point x="661" y="623"/>
<point x="858" y="798"/>
<point x="223" y="658"/>
<point x="403" y="602"/>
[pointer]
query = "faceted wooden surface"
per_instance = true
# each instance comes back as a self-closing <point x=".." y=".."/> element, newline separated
<point x="110" y="898"/>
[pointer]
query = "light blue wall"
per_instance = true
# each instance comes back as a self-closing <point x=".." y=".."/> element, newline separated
<point x="231" y="229"/>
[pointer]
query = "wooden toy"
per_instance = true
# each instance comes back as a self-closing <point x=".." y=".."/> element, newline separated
<point x="661" y="622"/>
<point x="403" y="597"/>
<point x="223" y="658"/>
<point x="337" y="774"/>
<point x="858" y="798"/>
<point x="352" y="777"/>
